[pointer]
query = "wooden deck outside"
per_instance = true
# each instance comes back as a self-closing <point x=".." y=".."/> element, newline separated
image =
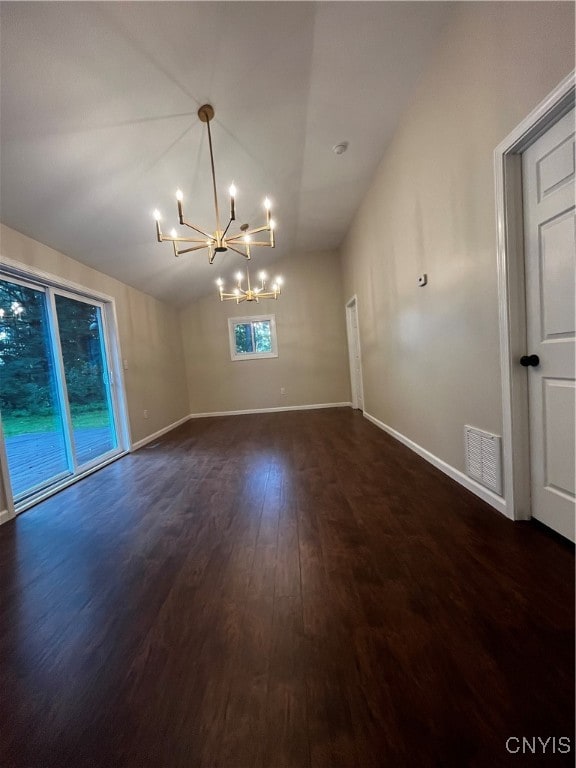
<point x="35" y="458"/>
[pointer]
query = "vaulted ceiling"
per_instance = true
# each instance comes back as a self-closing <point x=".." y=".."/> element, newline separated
<point x="99" y="122"/>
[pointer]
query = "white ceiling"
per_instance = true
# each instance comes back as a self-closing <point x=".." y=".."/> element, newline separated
<point x="99" y="125"/>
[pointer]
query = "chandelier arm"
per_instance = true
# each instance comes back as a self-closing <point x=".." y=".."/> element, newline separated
<point x="260" y="242"/>
<point x="227" y="227"/>
<point x="188" y="250"/>
<point x="218" y="227"/>
<point x="249" y="232"/>
<point x="200" y="231"/>
<point x="186" y="240"/>
<point x="246" y="255"/>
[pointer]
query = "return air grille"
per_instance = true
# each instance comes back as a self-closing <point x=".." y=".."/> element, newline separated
<point x="483" y="458"/>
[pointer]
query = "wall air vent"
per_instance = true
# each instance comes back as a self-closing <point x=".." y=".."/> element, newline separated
<point x="483" y="458"/>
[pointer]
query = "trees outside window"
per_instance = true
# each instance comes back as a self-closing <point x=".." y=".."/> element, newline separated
<point x="252" y="337"/>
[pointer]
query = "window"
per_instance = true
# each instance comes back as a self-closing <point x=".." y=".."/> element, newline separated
<point x="252" y="337"/>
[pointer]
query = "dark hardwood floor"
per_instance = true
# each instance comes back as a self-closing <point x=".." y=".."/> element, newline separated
<point x="289" y="589"/>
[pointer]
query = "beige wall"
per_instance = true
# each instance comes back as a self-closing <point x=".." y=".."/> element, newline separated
<point x="431" y="355"/>
<point x="312" y="363"/>
<point x="149" y="334"/>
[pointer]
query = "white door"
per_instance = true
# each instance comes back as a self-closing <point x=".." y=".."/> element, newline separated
<point x="354" y="355"/>
<point x="550" y="252"/>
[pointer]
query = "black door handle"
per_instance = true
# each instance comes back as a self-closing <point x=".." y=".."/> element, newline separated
<point x="527" y="360"/>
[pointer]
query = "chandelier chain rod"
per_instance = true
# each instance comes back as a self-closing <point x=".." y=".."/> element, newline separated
<point x="218" y="225"/>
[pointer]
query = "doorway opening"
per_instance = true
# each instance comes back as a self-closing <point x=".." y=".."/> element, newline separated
<point x="354" y="354"/>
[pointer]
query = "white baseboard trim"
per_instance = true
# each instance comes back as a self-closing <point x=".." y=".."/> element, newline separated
<point x="145" y="440"/>
<point x="471" y="485"/>
<point x="5" y="515"/>
<point x="270" y="410"/>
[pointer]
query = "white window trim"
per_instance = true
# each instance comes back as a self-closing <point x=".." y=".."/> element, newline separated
<point x="232" y="321"/>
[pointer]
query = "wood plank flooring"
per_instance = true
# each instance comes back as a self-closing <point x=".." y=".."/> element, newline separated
<point x="280" y="590"/>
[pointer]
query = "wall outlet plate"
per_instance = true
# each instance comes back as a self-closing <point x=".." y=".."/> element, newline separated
<point x="422" y="279"/>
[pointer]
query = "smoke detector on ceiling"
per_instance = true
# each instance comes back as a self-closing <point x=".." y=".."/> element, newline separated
<point x="339" y="149"/>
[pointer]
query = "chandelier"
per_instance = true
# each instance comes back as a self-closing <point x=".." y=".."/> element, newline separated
<point x="240" y="293"/>
<point x="219" y="240"/>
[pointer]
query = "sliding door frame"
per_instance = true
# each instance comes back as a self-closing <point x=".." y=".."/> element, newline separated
<point x="111" y="389"/>
<point x="53" y="286"/>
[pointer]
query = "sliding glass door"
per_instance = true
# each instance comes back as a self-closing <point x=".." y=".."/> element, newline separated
<point x="87" y="378"/>
<point x="30" y="400"/>
<point x="60" y="412"/>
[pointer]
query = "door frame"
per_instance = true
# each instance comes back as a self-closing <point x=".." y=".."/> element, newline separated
<point x="352" y="306"/>
<point x="25" y="273"/>
<point x="511" y="292"/>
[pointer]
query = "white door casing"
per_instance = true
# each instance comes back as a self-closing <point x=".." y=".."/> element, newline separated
<point x="511" y="291"/>
<point x="354" y="354"/>
<point x="548" y="167"/>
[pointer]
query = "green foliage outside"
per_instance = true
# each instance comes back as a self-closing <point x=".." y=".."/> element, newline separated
<point x="243" y="336"/>
<point x="260" y="341"/>
<point x="262" y="336"/>
<point x="28" y="399"/>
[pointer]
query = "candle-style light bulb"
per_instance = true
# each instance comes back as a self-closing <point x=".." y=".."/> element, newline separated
<point x="272" y="224"/>
<point x="232" y="191"/>
<point x="219" y="282"/>
<point x="267" y="206"/>
<point x="179" y="198"/>
<point x="157" y="217"/>
<point x="173" y="233"/>
<point x="279" y="280"/>
<point x="262" y="275"/>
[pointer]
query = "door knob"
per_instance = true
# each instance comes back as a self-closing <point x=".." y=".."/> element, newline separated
<point x="527" y="360"/>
